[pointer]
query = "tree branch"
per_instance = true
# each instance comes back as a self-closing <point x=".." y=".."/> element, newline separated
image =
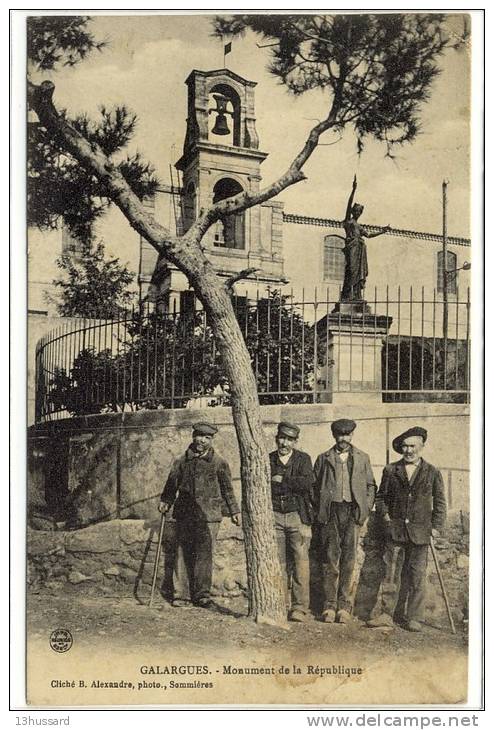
<point x="244" y="274"/>
<point x="309" y="36"/>
<point x="243" y="201"/>
<point x="181" y="251"/>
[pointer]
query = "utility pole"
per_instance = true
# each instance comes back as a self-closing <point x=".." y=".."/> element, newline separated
<point x="445" y="283"/>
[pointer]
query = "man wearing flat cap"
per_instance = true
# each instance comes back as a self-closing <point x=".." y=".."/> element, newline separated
<point x="412" y="507"/>
<point x="345" y="490"/>
<point x="200" y="488"/>
<point x="292" y="480"/>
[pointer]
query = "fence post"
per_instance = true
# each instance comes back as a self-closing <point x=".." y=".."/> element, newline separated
<point x="315" y="359"/>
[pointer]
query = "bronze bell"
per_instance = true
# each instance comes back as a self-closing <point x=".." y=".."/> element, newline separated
<point x="220" y="125"/>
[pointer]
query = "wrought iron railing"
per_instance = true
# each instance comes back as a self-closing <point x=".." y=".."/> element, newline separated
<point x="301" y="351"/>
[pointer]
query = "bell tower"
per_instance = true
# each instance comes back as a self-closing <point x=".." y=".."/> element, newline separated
<point x="221" y="158"/>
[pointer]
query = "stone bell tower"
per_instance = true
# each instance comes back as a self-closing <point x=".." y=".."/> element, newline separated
<point x="221" y="158"/>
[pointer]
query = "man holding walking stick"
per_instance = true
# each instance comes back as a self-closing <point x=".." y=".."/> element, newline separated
<point x="412" y="507"/>
<point x="200" y="489"/>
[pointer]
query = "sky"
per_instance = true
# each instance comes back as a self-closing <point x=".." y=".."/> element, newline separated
<point x="148" y="58"/>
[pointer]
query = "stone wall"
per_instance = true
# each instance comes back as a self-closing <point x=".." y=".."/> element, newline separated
<point x="117" y="558"/>
<point x="94" y="486"/>
<point x="93" y="468"/>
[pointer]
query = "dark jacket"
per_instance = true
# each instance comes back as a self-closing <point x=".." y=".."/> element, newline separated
<point x="362" y="483"/>
<point x="415" y="509"/>
<point x="204" y="487"/>
<point x="298" y="480"/>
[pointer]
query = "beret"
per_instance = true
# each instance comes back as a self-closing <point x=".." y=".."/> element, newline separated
<point x="343" y="426"/>
<point x="288" y="429"/>
<point x="206" y="429"/>
<point x="415" y="431"/>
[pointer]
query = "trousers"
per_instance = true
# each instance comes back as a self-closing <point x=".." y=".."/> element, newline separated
<point x="293" y="538"/>
<point x="338" y="550"/>
<point x="193" y="570"/>
<point x="403" y="587"/>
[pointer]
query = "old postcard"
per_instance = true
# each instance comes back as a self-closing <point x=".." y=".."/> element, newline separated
<point x="251" y="347"/>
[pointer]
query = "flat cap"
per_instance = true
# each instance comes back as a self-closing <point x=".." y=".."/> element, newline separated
<point x="342" y="426"/>
<point x="288" y="429"/>
<point x="415" y="431"/>
<point x="204" y="428"/>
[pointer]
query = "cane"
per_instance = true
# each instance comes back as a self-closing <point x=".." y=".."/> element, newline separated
<point x="157" y="559"/>
<point x="443" y="589"/>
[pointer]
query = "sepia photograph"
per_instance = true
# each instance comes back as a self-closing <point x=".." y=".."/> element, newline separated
<point x="249" y="359"/>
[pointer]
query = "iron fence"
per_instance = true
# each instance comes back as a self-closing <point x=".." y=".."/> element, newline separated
<point x="301" y="351"/>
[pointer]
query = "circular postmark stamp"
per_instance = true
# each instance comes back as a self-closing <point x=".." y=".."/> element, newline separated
<point x="61" y="640"/>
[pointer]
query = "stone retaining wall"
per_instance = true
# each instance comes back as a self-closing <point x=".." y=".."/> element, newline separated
<point x="116" y="558"/>
<point x="114" y="465"/>
<point x="102" y="476"/>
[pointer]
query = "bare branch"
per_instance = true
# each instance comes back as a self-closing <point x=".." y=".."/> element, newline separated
<point x="243" y="201"/>
<point x="309" y="36"/>
<point x="90" y="155"/>
<point x="244" y="274"/>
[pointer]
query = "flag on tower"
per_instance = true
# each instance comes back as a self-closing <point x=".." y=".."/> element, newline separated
<point x="228" y="48"/>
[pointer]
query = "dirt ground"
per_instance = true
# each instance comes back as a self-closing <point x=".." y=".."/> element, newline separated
<point x="120" y="639"/>
<point x="99" y="619"/>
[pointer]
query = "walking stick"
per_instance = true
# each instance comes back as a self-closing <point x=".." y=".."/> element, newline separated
<point x="443" y="589"/>
<point x="157" y="559"/>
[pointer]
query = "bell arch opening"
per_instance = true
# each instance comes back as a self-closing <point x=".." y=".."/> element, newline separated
<point x="224" y="115"/>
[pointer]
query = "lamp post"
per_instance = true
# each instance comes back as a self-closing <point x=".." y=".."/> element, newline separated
<point x="465" y="267"/>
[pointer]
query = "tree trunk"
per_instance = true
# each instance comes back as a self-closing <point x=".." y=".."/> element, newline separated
<point x="266" y="581"/>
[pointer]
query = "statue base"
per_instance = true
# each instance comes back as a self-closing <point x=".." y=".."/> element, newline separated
<point x="351" y="369"/>
<point x="352" y="306"/>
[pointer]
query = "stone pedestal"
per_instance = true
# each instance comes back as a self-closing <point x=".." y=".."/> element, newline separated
<point x="352" y="307"/>
<point x="351" y="368"/>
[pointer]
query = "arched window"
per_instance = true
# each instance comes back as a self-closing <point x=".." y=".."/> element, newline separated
<point x="333" y="259"/>
<point x="451" y="266"/>
<point x="229" y="233"/>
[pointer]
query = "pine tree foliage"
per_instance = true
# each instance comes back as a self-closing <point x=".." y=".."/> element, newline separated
<point x="378" y="69"/>
<point x="59" y="40"/>
<point x="58" y="187"/>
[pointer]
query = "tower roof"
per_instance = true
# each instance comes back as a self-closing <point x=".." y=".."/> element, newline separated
<point x="220" y="72"/>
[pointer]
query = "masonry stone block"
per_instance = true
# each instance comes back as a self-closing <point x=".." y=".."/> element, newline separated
<point x="99" y="538"/>
<point x="44" y="543"/>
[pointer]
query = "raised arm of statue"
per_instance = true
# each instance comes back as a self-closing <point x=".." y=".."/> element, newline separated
<point x="350" y="199"/>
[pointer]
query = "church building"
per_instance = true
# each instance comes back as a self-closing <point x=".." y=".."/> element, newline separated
<point x="291" y="252"/>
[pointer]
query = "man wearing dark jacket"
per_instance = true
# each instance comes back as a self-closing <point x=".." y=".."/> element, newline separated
<point x="200" y="487"/>
<point x="292" y="480"/>
<point x="412" y="507"/>
<point x="345" y="490"/>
